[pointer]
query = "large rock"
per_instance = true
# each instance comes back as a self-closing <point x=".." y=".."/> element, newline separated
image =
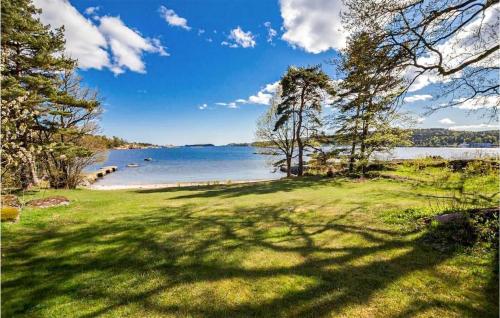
<point x="450" y="217"/>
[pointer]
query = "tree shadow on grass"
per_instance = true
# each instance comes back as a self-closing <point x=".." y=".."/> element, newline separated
<point x="165" y="250"/>
<point x="235" y="190"/>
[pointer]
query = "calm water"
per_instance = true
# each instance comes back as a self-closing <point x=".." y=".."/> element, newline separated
<point x="189" y="164"/>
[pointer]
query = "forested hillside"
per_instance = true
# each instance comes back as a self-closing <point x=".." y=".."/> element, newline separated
<point x="433" y="137"/>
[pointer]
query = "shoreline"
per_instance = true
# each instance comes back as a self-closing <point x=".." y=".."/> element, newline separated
<point x="172" y="185"/>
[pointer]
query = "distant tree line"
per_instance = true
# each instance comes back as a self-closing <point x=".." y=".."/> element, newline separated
<point x="117" y="142"/>
<point x="435" y="137"/>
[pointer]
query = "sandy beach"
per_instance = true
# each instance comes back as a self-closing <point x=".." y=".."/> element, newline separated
<point x="171" y="185"/>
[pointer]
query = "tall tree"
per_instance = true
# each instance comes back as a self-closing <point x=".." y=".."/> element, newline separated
<point x="304" y="90"/>
<point x="31" y="59"/>
<point x="70" y="116"/>
<point x="366" y="98"/>
<point x="282" y="138"/>
<point x="453" y="43"/>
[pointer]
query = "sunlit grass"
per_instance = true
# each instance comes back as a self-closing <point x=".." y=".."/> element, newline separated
<point x="310" y="247"/>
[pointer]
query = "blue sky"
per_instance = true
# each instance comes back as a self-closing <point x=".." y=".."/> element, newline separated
<point x="177" y="72"/>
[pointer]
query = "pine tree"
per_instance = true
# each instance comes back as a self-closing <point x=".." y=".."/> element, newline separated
<point x="304" y="90"/>
<point x="31" y="59"/>
<point x="70" y="116"/>
<point x="367" y="99"/>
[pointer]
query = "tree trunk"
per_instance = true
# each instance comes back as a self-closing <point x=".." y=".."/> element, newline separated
<point x="29" y="177"/>
<point x="300" y="145"/>
<point x="362" y="148"/>
<point x="351" y="157"/>
<point x="354" y="141"/>
<point x="288" y="166"/>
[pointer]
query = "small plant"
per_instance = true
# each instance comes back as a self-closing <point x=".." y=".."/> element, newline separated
<point x="9" y="213"/>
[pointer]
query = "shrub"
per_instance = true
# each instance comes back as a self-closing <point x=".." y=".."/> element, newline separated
<point x="485" y="224"/>
<point x="473" y="226"/>
<point x="478" y="168"/>
<point x="9" y="213"/>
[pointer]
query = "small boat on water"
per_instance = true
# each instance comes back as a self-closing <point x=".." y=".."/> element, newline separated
<point x="132" y="165"/>
<point x="148" y="159"/>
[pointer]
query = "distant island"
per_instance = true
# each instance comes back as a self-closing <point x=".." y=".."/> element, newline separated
<point x="240" y="144"/>
<point x="200" y="145"/>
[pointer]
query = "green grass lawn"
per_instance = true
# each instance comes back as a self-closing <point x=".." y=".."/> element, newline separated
<point x="292" y="248"/>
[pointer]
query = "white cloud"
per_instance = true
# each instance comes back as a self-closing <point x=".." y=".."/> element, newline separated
<point x="239" y="38"/>
<point x="209" y="40"/>
<point x="201" y="31"/>
<point x="264" y="96"/>
<point x="203" y="107"/>
<point x="260" y="98"/>
<point x="477" y="127"/>
<point x="479" y="102"/>
<point x="446" y="121"/>
<point x="313" y="25"/>
<point x="231" y="45"/>
<point x="271" y="33"/>
<point x="91" y="10"/>
<point x="127" y="45"/>
<point x="423" y="80"/>
<point x="112" y="45"/>
<point x="420" y="120"/>
<point x="414" y="98"/>
<point x="173" y="19"/>
<point x="84" y="42"/>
